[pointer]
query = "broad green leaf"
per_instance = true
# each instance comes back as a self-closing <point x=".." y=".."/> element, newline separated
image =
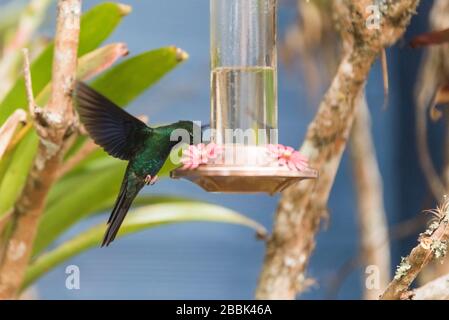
<point x="96" y="26"/>
<point x="145" y="200"/>
<point x="91" y="190"/>
<point x="138" y="220"/>
<point x="106" y="15"/>
<point x="161" y="199"/>
<point x="73" y="199"/>
<point x="90" y="65"/>
<point x="101" y="178"/>
<point x="126" y="81"/>
<point x="97" y="155"/>
<point x="15" y="177"/>
<point x="4" y="164"/>
<point x="9" y="128"/>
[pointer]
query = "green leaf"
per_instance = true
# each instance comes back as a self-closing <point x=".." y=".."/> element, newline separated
<point x="75" y="198"/>
<point x="9" y="128"/>
<point x="96" y="26"/>
<point x="126" y="81"/>
<point x="138" y="220"/>
<point x="92" y="190"/>
<point x="4" y="164"/>
<point x="145" y="200"/>
<point x="15" y="177"/>
<point x="90" y="65"/>
<point x="106" y="15"/>
<point x="158" y="199"/>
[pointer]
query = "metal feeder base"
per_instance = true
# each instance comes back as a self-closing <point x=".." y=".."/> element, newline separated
<point x="243" y="179"/>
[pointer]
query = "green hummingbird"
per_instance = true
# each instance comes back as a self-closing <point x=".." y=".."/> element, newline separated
<point x="127" y="138"/>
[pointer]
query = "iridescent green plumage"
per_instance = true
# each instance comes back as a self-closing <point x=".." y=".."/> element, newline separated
<point x="126" y="137"/>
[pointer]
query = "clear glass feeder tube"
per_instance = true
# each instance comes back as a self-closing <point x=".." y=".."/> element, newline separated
<point x="243" y="71"/>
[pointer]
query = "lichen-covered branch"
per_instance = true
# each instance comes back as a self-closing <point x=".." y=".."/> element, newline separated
<point x="302" y="206"/>
<point x="374" y="249"/>
<point x="432" y="246"/>
<point x="55" y="127"/>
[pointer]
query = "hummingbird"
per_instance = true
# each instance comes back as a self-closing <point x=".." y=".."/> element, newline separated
<point x="125" y="137"/>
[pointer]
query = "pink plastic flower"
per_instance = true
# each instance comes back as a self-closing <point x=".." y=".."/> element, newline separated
<point x="287" y="156"/>
<point x="196" y="155"/>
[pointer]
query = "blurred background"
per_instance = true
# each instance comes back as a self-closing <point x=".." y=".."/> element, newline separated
<point x="219" y="261"/>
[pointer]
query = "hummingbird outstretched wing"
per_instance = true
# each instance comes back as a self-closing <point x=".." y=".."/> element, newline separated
<point x="115" y="130"/>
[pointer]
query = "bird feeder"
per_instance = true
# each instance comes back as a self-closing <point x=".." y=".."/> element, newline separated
<point x="244" y="155"/>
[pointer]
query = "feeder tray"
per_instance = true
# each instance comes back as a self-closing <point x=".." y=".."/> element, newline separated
<point x="244" y="103"/>
<point x="236" y="168"/>
<point x="243" y="179"/>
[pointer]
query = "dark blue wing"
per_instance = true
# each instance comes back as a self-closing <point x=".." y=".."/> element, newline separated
<point x="115" y="130"/>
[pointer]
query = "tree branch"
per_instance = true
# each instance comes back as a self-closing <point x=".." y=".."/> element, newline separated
<point x="302" y="206"/>
<point x="434" y="72"/>
<point x="56" y="122"/>
<point x="375" y="249"/>
<point x="28" y="82"/>
<point x="440" y="55"/>
<point x="432" y="245"/>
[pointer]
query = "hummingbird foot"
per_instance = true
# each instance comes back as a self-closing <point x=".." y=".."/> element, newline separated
<point x="149" y="180"/>
<point x="153" y="180"/>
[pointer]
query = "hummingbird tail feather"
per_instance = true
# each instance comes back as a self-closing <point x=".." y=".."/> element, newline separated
<point x="121" y="208"/>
